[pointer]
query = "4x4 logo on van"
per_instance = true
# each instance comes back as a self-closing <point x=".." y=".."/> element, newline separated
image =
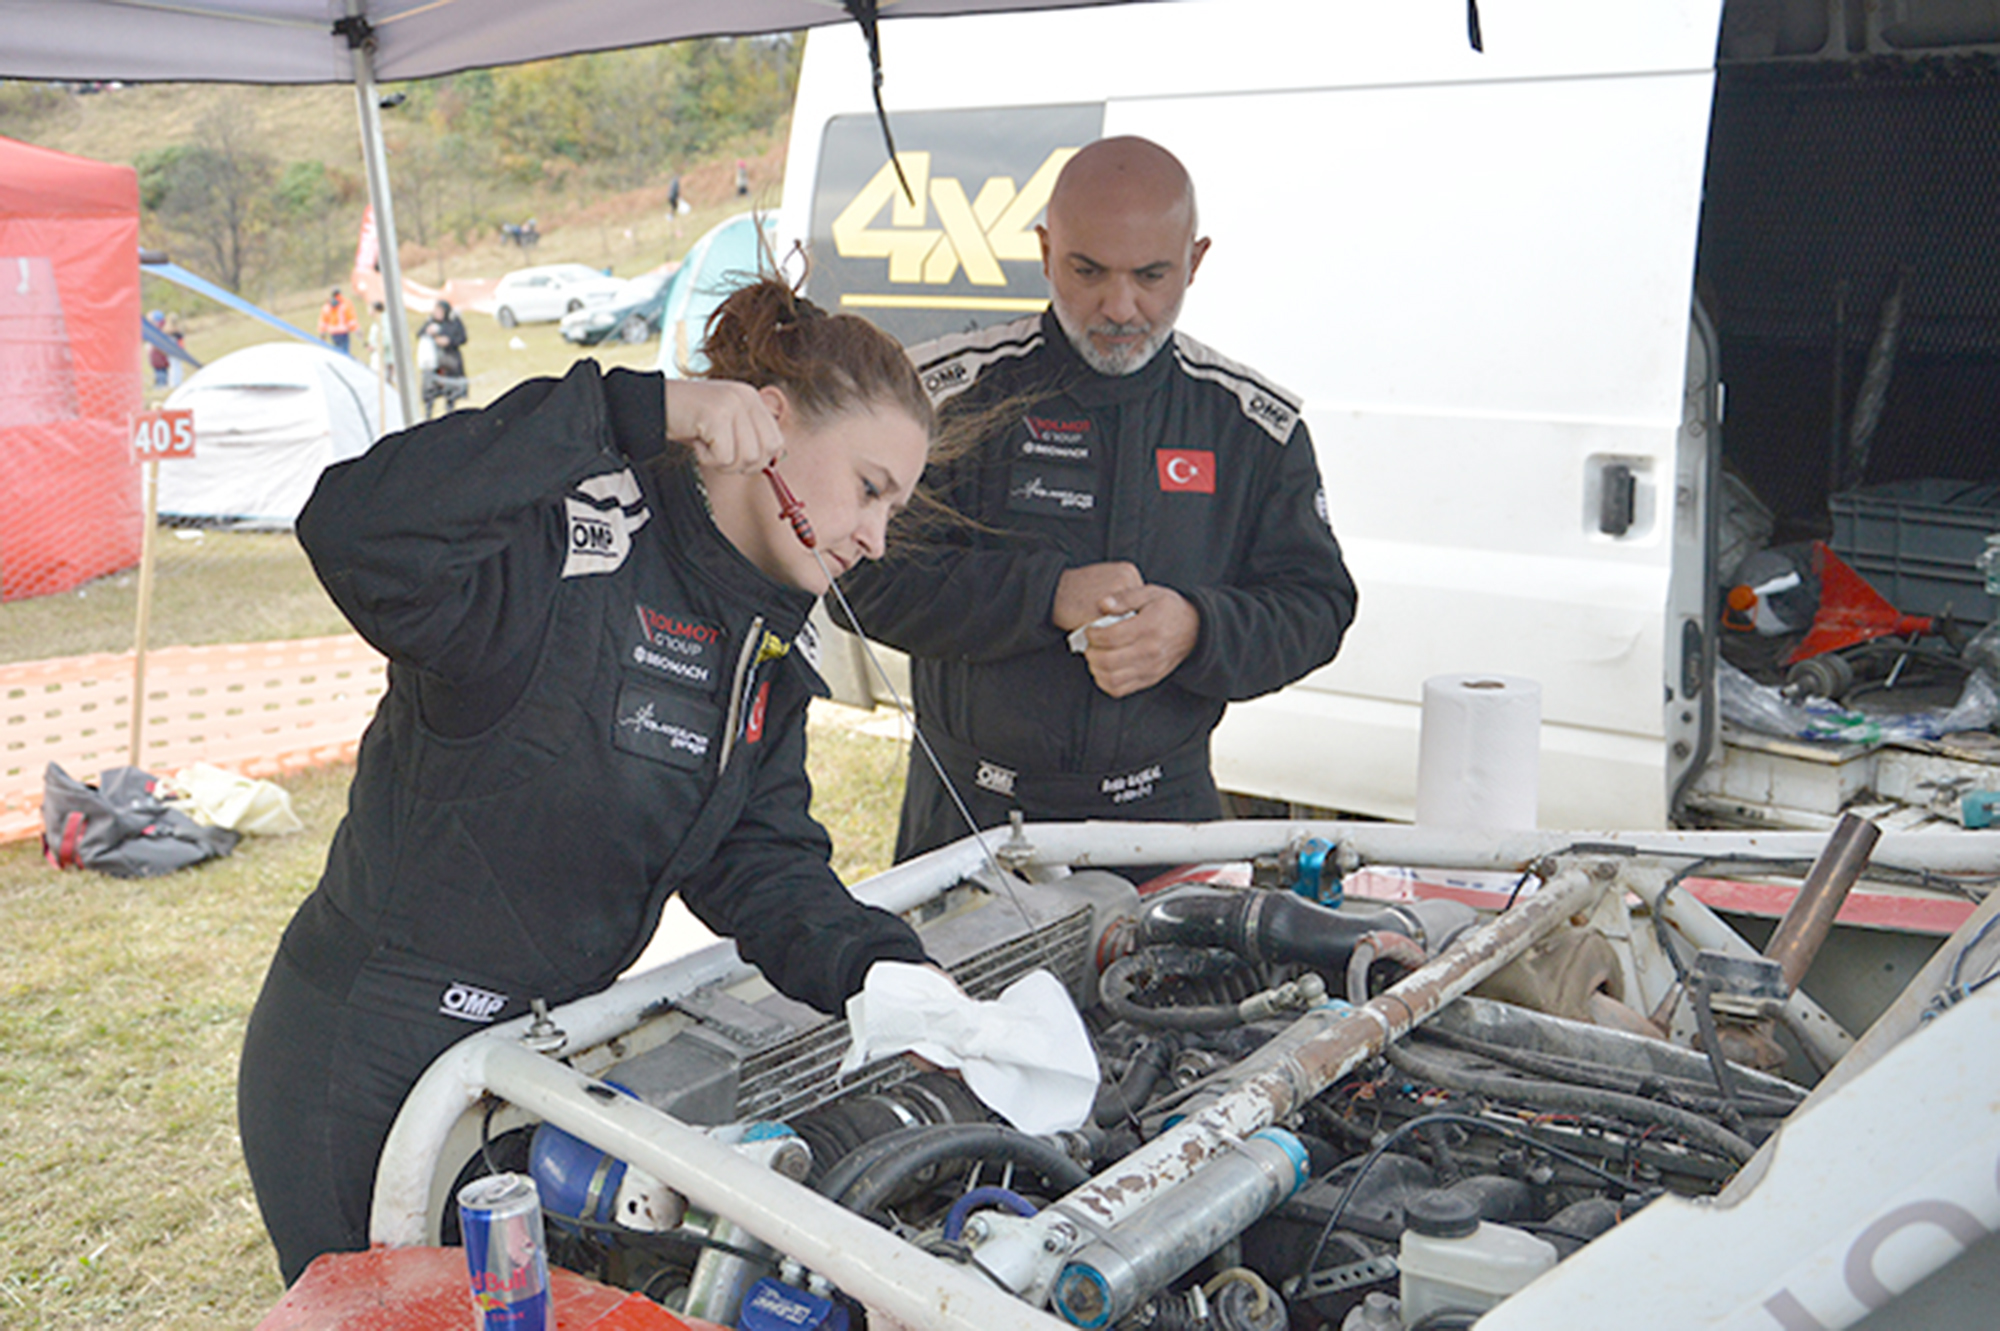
<point x="974" y="233"/>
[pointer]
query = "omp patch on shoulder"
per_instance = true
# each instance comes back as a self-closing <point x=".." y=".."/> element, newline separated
<point x="1275" y="410"/>
<point x="949" y="365"/>
<point x="600" y="516"/>
<point x="664" y="725"/>
<point x="1059" y="492"/>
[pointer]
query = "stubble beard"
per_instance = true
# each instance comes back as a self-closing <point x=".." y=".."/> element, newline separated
<point x="1118" y="361"/>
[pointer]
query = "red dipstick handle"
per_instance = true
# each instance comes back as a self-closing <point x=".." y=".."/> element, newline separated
<point x="790" y="508"/>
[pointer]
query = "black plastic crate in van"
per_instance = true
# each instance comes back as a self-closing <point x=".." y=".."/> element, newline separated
<point x="1919" y="542"/>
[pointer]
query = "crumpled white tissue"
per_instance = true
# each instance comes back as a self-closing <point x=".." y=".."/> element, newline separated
<point x="1025" y="1054"/>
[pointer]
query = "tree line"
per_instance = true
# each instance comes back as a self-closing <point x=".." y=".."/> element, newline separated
<point x="466" y="153"/>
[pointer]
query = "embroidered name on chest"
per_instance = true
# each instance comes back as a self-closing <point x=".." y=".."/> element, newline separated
<point x="1069" y="492"/>
<point x="667" y="727"/>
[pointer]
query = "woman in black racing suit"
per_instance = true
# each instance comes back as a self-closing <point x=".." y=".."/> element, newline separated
<point x="596" y="622"/>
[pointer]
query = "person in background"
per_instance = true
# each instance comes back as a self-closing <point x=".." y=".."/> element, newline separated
<point x="378" y="337"/>
<point x="1147" y="535"/>
<point x="441" y="358"/>
<point x="176" y="367"/>
<point x="156" y="358"/>
<point x="337" y="322"/>
<point x="574" y="731"/>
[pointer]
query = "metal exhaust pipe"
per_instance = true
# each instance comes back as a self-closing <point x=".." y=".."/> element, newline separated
<point x="1810" y="917"/>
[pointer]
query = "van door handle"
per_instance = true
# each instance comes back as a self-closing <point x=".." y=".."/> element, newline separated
<point x="1617" y="500"/>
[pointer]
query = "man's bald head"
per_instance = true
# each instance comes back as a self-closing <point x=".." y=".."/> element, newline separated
<point x="1119" y="250"/>
<point x="1127" y="174"/>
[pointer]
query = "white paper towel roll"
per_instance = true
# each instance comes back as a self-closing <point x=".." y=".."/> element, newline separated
<point x="1479" y="758"/>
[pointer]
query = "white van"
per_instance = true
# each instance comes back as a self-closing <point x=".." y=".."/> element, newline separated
<point x="1479" y="268"/>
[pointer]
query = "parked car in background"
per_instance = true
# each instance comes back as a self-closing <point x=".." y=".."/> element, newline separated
<point x="549" y="291"/>
<point x="633" y="315"/>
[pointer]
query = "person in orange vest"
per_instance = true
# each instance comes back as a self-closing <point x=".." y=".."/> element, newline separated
<point x="337" y="322"/>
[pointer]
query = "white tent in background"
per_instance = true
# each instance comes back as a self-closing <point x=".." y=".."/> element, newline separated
<point x="267" y="420"/>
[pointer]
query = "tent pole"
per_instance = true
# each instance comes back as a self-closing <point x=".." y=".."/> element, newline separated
<point x="361" y="43"/>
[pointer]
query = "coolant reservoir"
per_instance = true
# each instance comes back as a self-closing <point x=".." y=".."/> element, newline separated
<point x="1453" y="1260"/>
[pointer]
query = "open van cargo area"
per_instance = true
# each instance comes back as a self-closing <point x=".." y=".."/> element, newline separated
<point x="1847" y="263"/>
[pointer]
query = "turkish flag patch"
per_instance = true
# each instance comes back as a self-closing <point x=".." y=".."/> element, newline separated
<point x="1187" y="470"/>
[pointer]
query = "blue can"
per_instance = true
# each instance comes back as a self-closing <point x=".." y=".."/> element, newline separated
<point x="505" y="1251"/>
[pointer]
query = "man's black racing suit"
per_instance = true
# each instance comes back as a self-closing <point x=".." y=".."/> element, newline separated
<point x="595" y="701"/>
<point x="1194" y="469"/>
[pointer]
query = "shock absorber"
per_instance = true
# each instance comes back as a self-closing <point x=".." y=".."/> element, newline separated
<point x="1109" y="1276"/>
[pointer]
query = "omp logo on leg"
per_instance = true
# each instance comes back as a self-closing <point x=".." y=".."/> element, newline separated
<point x="471" y="1003"/>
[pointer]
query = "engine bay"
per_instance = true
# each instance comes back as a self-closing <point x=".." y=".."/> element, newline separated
<point x="1316" y="1109"/>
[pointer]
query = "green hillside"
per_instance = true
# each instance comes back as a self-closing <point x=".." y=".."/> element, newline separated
<point x="262" y="189"/>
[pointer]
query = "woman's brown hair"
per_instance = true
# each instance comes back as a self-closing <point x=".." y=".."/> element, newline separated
<point x="767" y="335"/>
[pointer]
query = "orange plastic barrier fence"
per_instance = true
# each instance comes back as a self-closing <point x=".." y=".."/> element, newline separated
<point x="259" y="708"/>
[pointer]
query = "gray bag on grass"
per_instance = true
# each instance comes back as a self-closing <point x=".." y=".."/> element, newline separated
<point x="121" y="826"/>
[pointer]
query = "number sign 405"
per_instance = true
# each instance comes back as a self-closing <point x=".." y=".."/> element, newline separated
<point x="158" y="436"/>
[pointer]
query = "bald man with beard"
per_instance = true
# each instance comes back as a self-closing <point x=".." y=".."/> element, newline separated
<point x="1146" y="535"/>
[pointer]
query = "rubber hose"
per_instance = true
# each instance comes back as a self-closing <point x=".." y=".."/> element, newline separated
<point x="986" y="1142"/>
<point x="1379" y="945"/>
<point x="1243" y="1307"/>
<point x="1120" y="978"/>
<point x="1265" y="926"/>
<point x="1124" y="1098"/>
<point x="954" y="1219"/>
<point x="841" y="1175"/>
<point x="836" y="1131"/>
<point x="1579" y="1223"/>
<point x="1571" y="1099"/>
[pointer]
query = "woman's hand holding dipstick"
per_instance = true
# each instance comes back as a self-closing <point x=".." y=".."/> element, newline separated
<point x="731" y="426"/>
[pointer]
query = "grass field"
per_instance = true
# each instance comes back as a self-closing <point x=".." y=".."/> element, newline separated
<point x="122" y="1006"/>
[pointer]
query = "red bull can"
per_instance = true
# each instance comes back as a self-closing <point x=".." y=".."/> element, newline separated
<point x="501" y="1218"/>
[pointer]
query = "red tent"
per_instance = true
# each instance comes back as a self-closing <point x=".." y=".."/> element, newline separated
<point x="69" y="369"/>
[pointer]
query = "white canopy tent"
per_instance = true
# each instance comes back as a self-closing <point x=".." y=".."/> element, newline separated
<point x="364" y="41"/>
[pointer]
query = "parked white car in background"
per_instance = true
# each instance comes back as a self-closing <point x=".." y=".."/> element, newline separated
<point x="546" y="293"/>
